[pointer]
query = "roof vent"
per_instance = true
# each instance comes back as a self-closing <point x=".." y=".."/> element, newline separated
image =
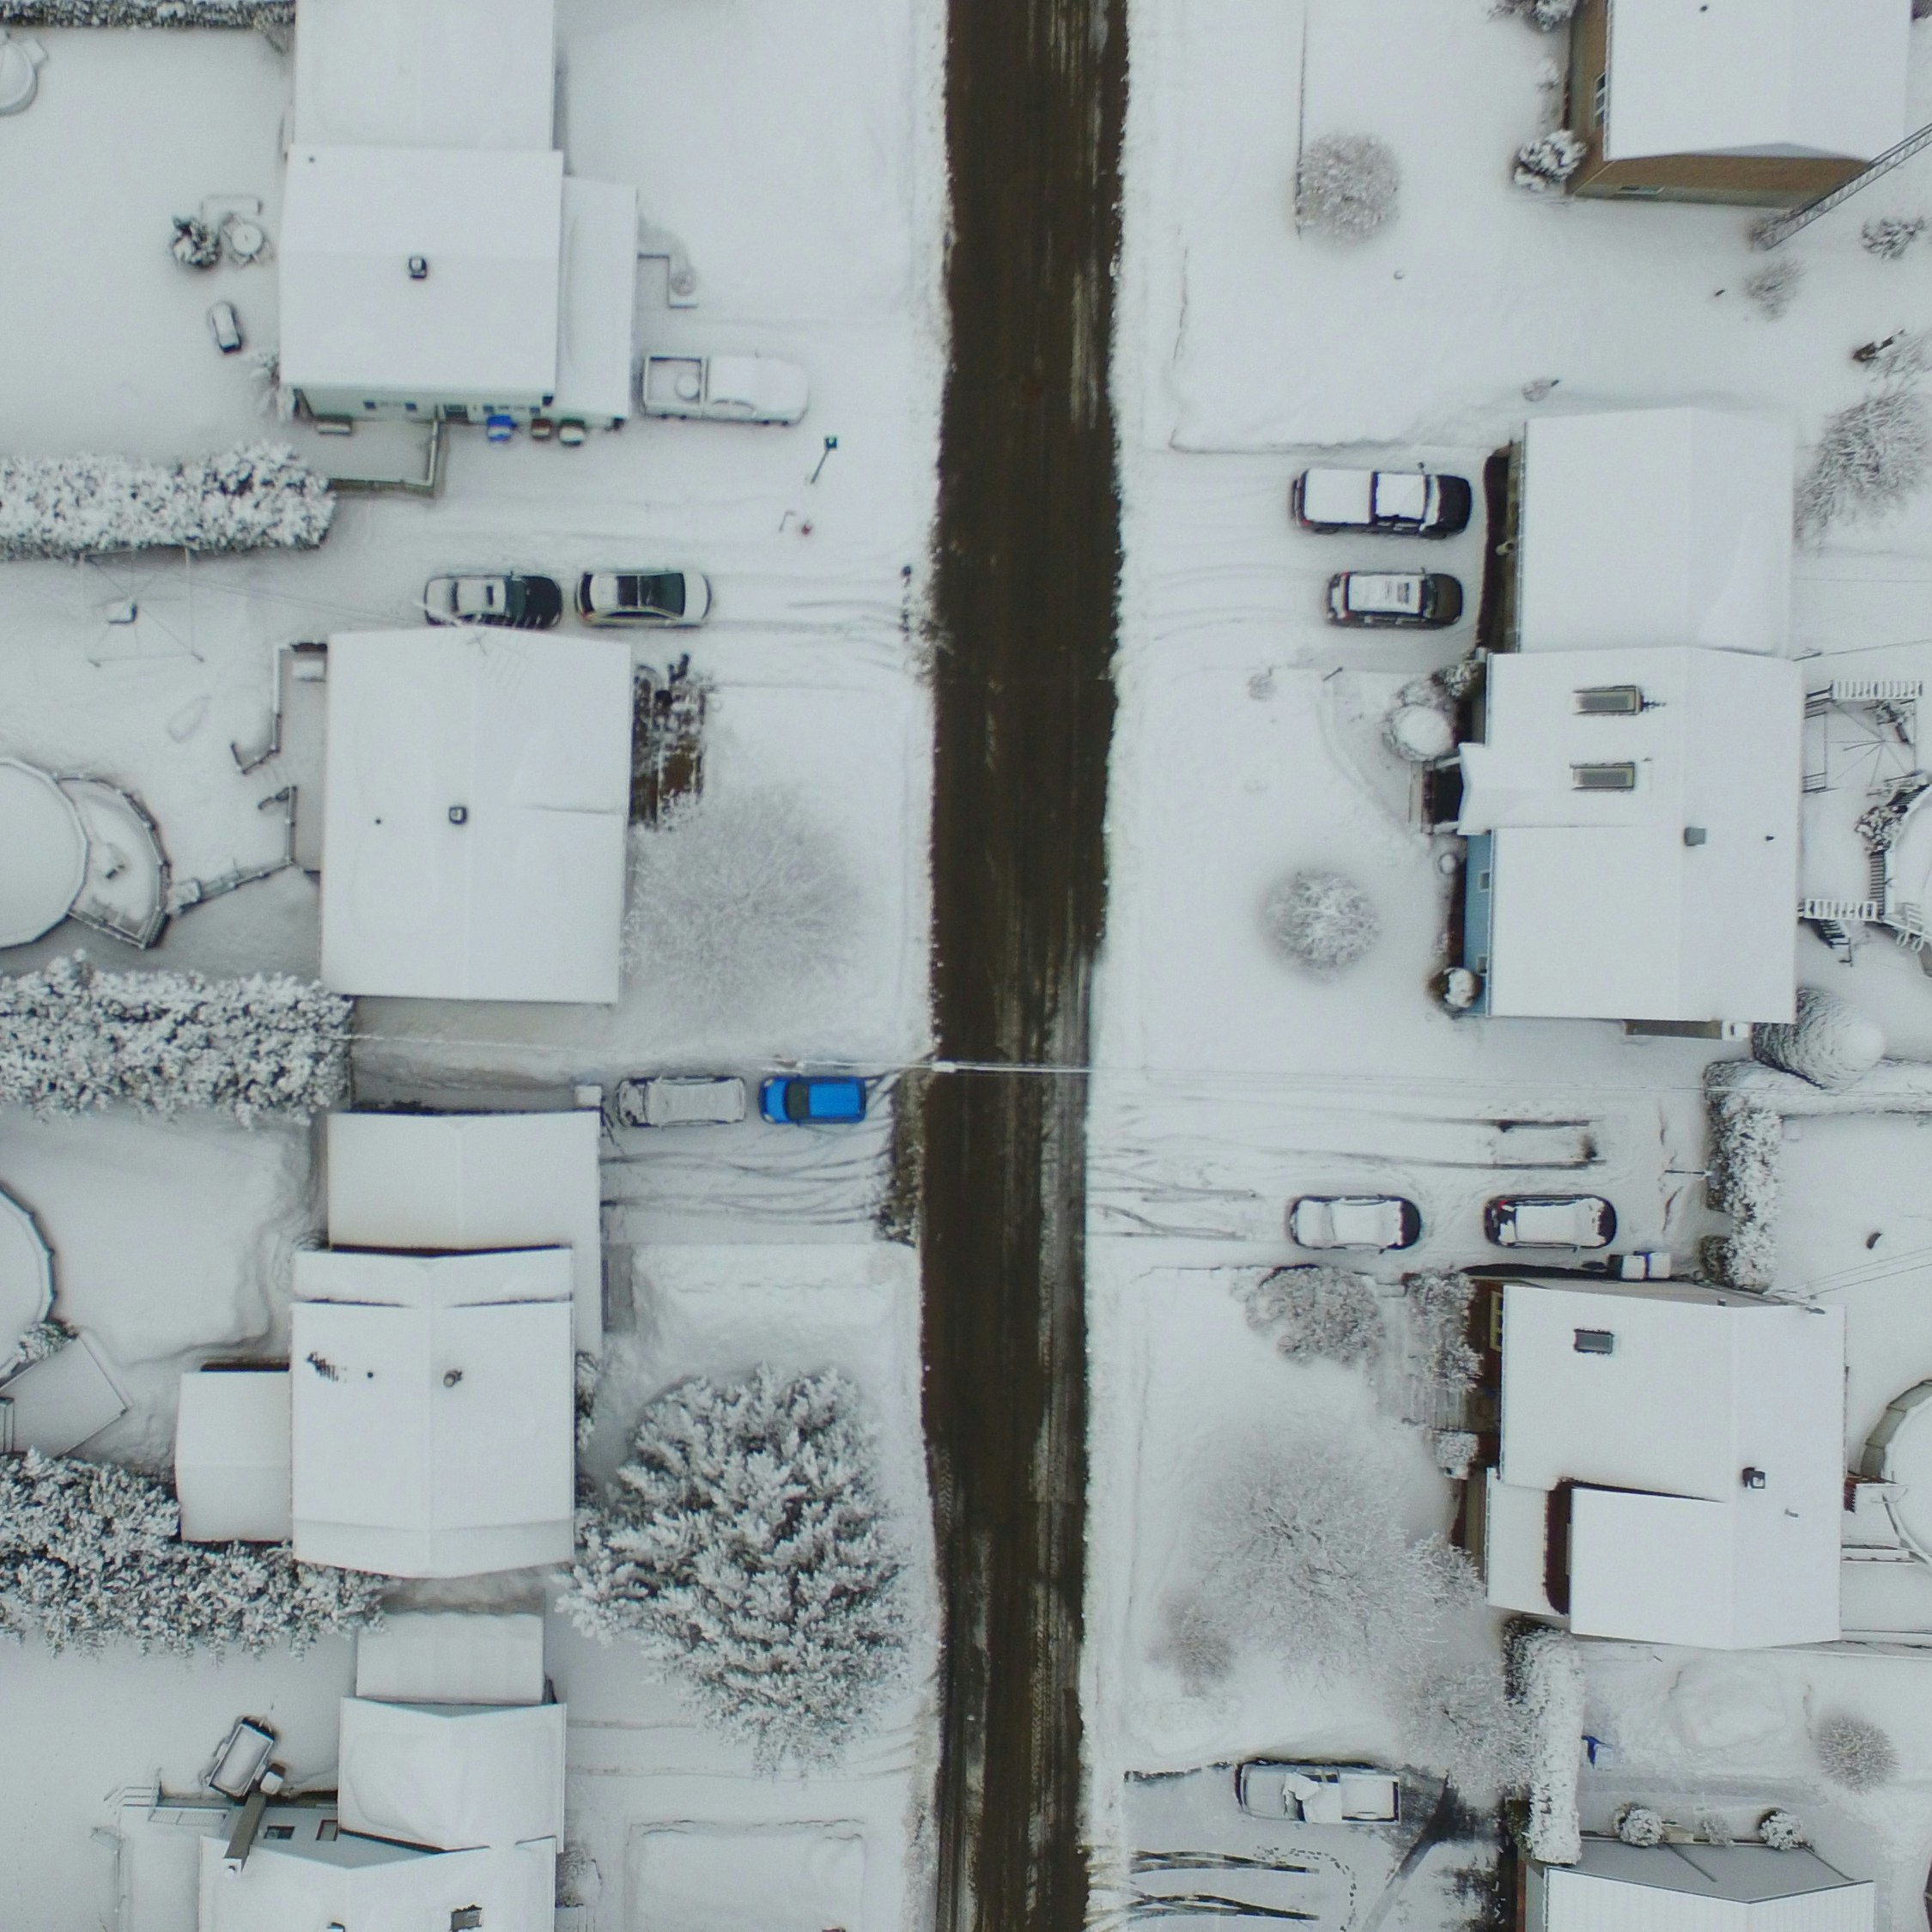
<point x="1753" y="1479"/>
<point x="1603" y="778"/>
<point x="1609" y="701"/>
<point x="419" y="268"/>
<point x="1596" y="1341"/>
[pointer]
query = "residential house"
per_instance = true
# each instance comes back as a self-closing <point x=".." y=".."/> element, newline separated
<point x="1617" y="1887"/>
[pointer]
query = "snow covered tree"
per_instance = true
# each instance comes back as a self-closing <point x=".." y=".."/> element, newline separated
<point x="746" y="1548"/>
<point x="1830" y="1043"/>
<point x="1321" y="920"/>
<point x="1870" y="458"/>
<point x="1317" y="1313"/>
<point x="1544" y="164"/>
<point x="90" y="1554"/>
<point x="1438" y="1302"/>
<point x="196" y="243"/>
<point x="1781" y="1830"/>
<point x="1549" y="15"/>
<point x="1545" y="1678"/>
<point x="1463" y="1722"/>
<point x="1888" y="236"/>
<point x="1855" y="1752"/>
<point x="258" y="497"/>
<point x="73" y="1037"/>
<point x="1774" y="287"/>
<point x="740" y="897"/>
<point x="1346" y="186"/>
<point x="1640" y="1825"/>
<point x="147" y="12"/>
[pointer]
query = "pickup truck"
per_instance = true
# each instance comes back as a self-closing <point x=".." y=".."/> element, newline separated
<point x="723" y="388"/>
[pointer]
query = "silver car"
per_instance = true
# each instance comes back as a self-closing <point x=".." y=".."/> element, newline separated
<point x="653" y="596"/>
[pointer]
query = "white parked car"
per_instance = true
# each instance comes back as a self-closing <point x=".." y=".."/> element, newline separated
<point x="1416" y="599"/>
<point x="1400" y="502"/>
<point x="1317" y="1794"/>
<point x="1376" y="1221"/>
<point x="723" y="388"/>
<point x="654" y="595"/>
<point x="1549" y="1221"/>
<point x="681" y="1100"/>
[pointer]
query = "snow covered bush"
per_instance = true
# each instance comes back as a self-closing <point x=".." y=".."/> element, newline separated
<point x="38" y="1341"/>
<point x="1317" y="1313"/>
<point x="258" y="497"/>
<point x="1774" y="287"/>
<point x="147" y="12"/>
<point x="745" y="1547"/>
<point x="73" y="1037"/>
<point x="1830" y="1043"/>
<point x="1321" y="920"/>
<point x="1545" y="1678"/>
<point x="739" y="897"/>
<point x="1462" y="1724"/>
<point x="1781" y="1831"/>
<point x="1549" y="15"/>
<point x="1640" y="1825"/>
<point x="1855" y="1752"/>
<point x="90" y="1554"/>
<point x="196" y="243"/>
<point x="1437" y="1300"/>
<point x="1455" y="1452"/>
<point x="1747" y="1143"/>
<point x="1346" y="186"/>
<point x="1888" y="236"/>
<point x="1870" y="458"/>
<point x="1714" y="1828"/>
<point x="1544" y="164"/>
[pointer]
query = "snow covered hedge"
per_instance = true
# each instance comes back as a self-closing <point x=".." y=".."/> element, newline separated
<point x="1748" y="1145"/>
<point x="90" y="1554"/>
<point x="147" y="12"/>
<point x="1317" y="1313"/>
<point x="254" y="498"/>
<point x="72" y="1037"/>
<point x="746" y="1548"/>
<point x="1546" y="1684"/>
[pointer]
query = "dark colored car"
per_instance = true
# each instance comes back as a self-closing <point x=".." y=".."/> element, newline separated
<point x="1418" y="599"/>
<point x="510" y="599"/>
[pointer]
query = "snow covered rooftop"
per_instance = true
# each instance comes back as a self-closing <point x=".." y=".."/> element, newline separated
<point x="1663" y="527"/>
<point x="427" y="74"/>
<point x="451" y="1777"/>
<point x="1766" y="77"/>
<point x="477" y="797"/>
<point x="1656" y="1427"/>
<point x="436" y="1181"/>
<point x="434" y="1412"/>
<point x="596" y="328"/>
<point x="1644" y="863"/>
<point x="479" y="324"/>
<point x="451" y="1656"/>
<point x="1616" y="1887"/>
<point x="231" y="1456"/>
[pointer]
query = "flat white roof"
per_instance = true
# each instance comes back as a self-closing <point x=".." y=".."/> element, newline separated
<point x="451" y="1656"/>
<point x="451" y="1777"/>
<point x="231" y="1456"/>
<point x="1606" y="904"/>
<point x="1766" y="77"/>
<point x="480" y="326"/>
<point x="1616" y="1887"/>
<point x="1667" y="1544"/>
<point x="528" y="740"/>
<point x="596" y="337"/>
<point x="473" y="1180"/>
<point x="1664" y="527"/>
<point x="426" y="73"/>
<point x="433" y="1441"/>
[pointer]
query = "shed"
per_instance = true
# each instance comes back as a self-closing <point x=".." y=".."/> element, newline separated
<point x="432" y="1425"/>
<point x="1685" y="1446"/>
<point x="231" y="1456"/>
<point x="477" y="800"/>
<point x="1617" y="1887"/>
<point x="451" y="1777"/>
<point x="1633" y="826"/>
<point x="1658" y="527"/>
<point x="451" y="1656"/>
<point x="468" y="1181"/>
<point x="596" y="349"/>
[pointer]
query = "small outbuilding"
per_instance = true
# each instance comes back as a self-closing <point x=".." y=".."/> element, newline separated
<point x="1618" y="1887"/>
<point x="231" y="1456"/>
<point x="1768" y="103"/>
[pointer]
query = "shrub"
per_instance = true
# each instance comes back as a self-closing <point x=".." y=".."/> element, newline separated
<point x="196" y="243"/>
<point x="1855" y="1752"/>
<point x="1888" y="236"/>
<point x="1638" y="1825"/>
<point x="1437" y="1300"/>
<point x="1321" y="920"/>
<point x="1463" y="1723"/>
<point x="90" y="1552"/>
<point x="1546" y="1674"/>
<point x="1870" y="458"/>
<point x="1347" y="186"/>
<point x="1781" y="1831"/>
<point x="744" y="1546"/>
<point x="1318" y="1314"/>
<point x="1544" y="164"/>
<point x="1774" y="287"/>
<point x="1830" y="1042"/>
<point x="1549" y="15"/>
<point x="259" y="497"/>
<point x="147" y="12"/>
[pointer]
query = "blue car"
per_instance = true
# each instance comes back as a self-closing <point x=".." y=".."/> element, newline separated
<point x="808" y="1099"/>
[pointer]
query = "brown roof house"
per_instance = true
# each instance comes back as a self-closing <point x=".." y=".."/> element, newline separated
<point x="1767" y="102"/>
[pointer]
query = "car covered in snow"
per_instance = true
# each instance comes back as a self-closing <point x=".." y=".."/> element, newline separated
<point x="1317" y="1794"/>
<point x="1549" y="1221"/>
<point x="653" y="596"/>
<point x="1418" y="599"/>
<point x="812" y="1099"/>
<point x="723" y="388"/>
<point x="1375" y="1221"/>
<point x="1400" y="502"/>
<point x="511" y="599"/>
<point x="681" y="1100"/>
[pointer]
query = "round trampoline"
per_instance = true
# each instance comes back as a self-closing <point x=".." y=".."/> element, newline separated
<point x="43" y="853"/>
<point x="26" y="1275"/>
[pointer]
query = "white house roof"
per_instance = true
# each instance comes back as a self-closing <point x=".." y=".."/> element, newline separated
<point x="473" y="1180"/>
<point x="451" y="1656"/>
<point x="1771" y="77"/>
<point x="433" y="1281"/>
<point x="526" y="740"/>
<point x="427" y="74"/>
<point x="1669" y="1544"/>
<point x="480" y="325"/>
<point x="433" y="1441"/>
<point x="231" y="1456"/>
<point x="1615" y="1887"/>
<point x="1607" y="904"/>
<point x="353" y="1884"/>
<point x="451" y="1777"/>
<point x="596" y="346"/>
<point x="1663" y="527"/>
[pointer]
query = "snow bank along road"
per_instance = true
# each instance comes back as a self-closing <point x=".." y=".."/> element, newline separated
<point x="1026" y="577"/>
